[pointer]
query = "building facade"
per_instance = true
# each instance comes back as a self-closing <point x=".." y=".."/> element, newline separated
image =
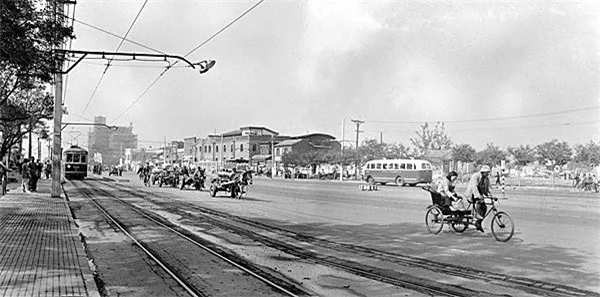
<point x="111" y="144"/>
<point x="305" y="144"/>
<point x="250" y="143"/>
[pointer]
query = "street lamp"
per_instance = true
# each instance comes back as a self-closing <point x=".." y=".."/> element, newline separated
<point x="58" y="125"/>
<point x="205" y="65"/>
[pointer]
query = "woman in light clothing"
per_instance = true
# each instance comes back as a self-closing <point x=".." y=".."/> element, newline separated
<point x="446" y="188"/>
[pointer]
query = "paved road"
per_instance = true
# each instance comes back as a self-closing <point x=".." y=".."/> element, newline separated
<point x="557" y="234"/>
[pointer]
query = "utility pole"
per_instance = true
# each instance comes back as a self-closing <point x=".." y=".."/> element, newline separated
<point x="342" y="149"/>
<point x="358" y="123"/>
<point x="58" y="91"/>
<point x="29" y="144"/>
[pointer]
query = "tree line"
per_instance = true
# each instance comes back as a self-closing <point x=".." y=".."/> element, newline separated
<point x="435" y="138"/>
<point x="30" y="30"/>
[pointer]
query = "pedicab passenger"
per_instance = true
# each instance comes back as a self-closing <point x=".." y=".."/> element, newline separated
<point x="446" y="189"/>
<point x="477" y="189"/>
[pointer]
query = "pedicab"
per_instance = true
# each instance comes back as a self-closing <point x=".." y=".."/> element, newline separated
<point x="440" y="213"/>
<point x="234" y="179"/>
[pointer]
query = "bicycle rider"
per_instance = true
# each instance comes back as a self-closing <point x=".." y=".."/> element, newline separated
<point x="477" y="189"/>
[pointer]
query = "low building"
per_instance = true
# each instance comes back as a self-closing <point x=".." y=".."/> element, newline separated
<point x="319" y="142"/>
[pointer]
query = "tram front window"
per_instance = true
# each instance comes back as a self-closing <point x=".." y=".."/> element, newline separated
<point x="83" y="159"/>
<point x="69" y="157"/>
<point x="76" y="158"/>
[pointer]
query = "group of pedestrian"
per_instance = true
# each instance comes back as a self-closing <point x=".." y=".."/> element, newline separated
<point x="586" y="182"/>
<point x="116" y="170"/>
<point x="31" y="172"/>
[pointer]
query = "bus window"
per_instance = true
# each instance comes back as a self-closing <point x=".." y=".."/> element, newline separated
<point x="396" y="166"/>
<point x="409" y="166"/>
<point x="76" y="158"/>
<point x="378" y="166"/>
<point x="385" y="166"/>
<point x="390" y="166"/>
<point x="403" y="166"/>
<point x="83" y="158"/>
<point x="69" y="157"/>
<point x="424" y="166"/>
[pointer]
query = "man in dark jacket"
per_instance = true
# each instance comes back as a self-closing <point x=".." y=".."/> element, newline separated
<point x="33" y="171"/>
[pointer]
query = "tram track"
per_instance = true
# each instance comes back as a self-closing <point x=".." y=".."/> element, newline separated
<point x="388" y="276"/>
<point x="527" y="285"/>
<point x="172" y="262"/>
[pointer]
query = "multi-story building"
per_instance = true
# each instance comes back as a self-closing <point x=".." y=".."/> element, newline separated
<point x="251" y="143"/>
<point x="111" y="144"/>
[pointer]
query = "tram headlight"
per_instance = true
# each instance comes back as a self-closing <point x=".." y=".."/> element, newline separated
<point x="68" y="166"/>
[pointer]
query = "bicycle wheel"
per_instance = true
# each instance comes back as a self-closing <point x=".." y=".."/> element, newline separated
<point x="434" y="219"/>
<point x="503" y="226"/>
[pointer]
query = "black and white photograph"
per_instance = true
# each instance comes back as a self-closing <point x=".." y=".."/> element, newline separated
<point x="299" y="148"/>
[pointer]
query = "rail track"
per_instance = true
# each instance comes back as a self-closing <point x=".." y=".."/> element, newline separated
<point x="178" y="251"/>
<point x="526" y="285"/>
<point x="395" y="278"/>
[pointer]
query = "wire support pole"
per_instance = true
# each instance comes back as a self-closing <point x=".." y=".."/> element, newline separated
<point x="356" y="161"/>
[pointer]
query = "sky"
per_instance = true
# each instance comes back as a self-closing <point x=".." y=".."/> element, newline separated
<point x="508" y="73"/>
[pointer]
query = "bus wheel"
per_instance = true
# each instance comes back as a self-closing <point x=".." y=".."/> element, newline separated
<point x="399" y="181"/>
<point x="370" y="180"/>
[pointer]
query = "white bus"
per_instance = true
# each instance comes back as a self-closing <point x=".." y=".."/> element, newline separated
<point x="399" y="171"/>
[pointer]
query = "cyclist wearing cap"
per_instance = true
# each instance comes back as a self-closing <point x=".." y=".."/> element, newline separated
<point x="477" y="189"/>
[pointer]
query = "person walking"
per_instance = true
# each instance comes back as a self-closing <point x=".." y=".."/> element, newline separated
<point x="33" y="174"/>
<point x="48" y="169"/>
<point x="25" y="176"/>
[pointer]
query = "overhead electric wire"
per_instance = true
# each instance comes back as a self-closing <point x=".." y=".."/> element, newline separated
<point x="110" y="60"/>
<point x="117" y="36"/>
<point x="186" y="55"/>
<point x="556" y="125"/>
<point x="491" y="119"/>
<point x="66" y="84"/>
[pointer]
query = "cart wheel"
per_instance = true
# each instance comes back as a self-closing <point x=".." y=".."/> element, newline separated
<point x="503" y="226"/>
<point x="459" y="227"/>
<point x="213" y="191"/>
<point x="434" y="219"/>
<point x="370" y="180"/>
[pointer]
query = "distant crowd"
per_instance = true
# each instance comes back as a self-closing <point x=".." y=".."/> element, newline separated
<point x="587" y="182"/>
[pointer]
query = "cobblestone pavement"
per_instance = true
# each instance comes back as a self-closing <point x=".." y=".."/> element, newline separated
<point x="40" y="251"/>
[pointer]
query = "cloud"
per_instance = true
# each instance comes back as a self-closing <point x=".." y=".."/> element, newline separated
<point x="333" y="28"/>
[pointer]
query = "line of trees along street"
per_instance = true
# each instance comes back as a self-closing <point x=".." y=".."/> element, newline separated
<point x="29" y="31"/>
<point x="428" y="138"/>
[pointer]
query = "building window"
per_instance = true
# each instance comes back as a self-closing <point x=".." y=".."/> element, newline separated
<point x="232" y="148"/>
<point x="277" y="151"/>
<point x="216" y="148"/>
<point x="254" y="147"/>
<point x="285" y="150"/>
<point x="241" y="147"/>
<point x="224" y="148"/>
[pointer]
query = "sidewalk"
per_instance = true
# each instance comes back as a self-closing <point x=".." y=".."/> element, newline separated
<point x="40" y="250"/>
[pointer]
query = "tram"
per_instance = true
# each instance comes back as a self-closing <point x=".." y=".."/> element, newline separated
<point x="75" y="161"/>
